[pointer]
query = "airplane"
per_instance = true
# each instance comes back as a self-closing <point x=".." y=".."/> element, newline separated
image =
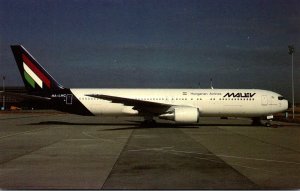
<point x="178" y="105"/>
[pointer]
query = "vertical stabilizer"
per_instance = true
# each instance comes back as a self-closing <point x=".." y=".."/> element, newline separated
<point x="35" y="77"/>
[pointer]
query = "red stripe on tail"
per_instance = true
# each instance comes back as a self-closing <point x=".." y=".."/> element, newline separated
<point x="36" y="71"/>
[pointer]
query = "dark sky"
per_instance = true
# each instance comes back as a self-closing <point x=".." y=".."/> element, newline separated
<point x="148" y="43"/>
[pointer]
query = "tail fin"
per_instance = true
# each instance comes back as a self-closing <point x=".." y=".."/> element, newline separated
<point x="35" y="77"/>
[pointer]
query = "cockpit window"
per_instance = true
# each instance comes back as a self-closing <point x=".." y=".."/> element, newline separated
<point x="281" y="98"/>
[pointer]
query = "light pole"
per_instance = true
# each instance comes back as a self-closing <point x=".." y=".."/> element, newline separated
<point x="3" y="86"/>
<point x="291" y="52"/>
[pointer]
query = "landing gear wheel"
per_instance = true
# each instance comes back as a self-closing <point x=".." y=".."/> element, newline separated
<point x="149" y="122"/>
<point x="268" y="124"/>
<point x="269" y="120"/>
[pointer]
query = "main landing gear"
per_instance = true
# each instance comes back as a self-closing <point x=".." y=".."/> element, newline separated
<point x="149" y="121"/>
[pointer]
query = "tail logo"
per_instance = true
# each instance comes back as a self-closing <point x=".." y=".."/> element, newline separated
<point x="33" y="75"/>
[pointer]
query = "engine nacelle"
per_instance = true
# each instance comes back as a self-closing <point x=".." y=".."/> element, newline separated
<point x="182" y="115"/>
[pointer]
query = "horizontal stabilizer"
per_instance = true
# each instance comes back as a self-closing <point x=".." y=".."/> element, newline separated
<point x="25" y="96"/>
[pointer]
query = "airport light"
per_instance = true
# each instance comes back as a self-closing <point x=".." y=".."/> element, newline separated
<point x="3" y="86"/>
<point x="291" y="52"/>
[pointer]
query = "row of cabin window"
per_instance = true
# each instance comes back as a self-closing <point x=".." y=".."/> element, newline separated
<point x="145" y="99"/>
<point x="158" y="99"/>
<point x="87" y="98"/>
<point x="238" y="99"/>
<point x="180" y="99"/>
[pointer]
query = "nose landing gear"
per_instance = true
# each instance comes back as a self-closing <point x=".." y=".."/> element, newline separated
<point x="256" y="121"/>
<point x="269" y="120"/>
<point x="268" y="124"/>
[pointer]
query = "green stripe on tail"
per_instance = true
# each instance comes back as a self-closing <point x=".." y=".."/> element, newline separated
<point x="29" y="79"/>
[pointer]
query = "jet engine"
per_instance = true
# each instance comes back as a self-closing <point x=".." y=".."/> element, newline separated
<point x="182" y="115"/>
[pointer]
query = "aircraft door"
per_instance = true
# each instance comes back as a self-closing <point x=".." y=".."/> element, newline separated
<point x="264" y="100"/>
<point x="69" y="99"/>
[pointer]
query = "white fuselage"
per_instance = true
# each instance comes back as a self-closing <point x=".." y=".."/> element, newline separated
<point x="210" y="102"/>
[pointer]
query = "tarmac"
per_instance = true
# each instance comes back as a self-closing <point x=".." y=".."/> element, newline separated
<point x="49" y="150"/>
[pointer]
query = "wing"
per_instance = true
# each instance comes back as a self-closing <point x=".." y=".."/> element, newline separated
<point x="144" y="107"/>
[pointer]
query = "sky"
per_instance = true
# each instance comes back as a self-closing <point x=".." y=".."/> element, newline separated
<point x="156" y="44"/>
